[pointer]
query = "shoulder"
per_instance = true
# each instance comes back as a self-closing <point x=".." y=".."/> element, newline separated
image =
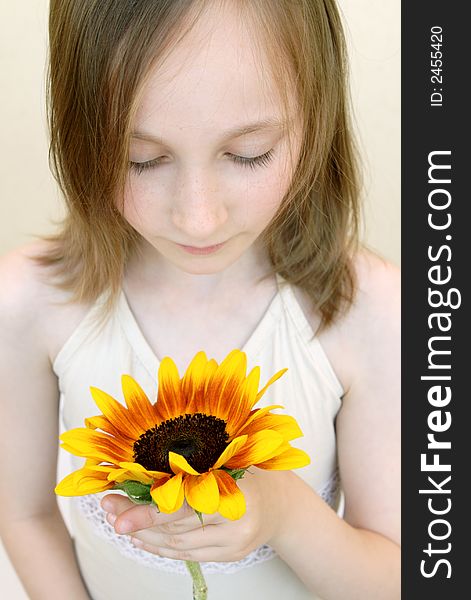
<point x="22" y="321"/>
<point x="375" y="312"/>
<point x="378" y="283"/>
<point x="378" y="291"/>
<point x="31" y="307"/>
<point x="370" y="329"/>
<point x="21" y="290"/>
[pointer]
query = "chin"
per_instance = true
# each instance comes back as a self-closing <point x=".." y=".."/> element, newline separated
<point x="202" y="266"/>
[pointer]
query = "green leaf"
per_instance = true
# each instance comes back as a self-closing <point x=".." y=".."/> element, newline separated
<point x="136" y="491"/>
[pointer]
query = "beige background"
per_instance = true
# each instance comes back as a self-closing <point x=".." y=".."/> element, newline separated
<point x="28" y="197"/>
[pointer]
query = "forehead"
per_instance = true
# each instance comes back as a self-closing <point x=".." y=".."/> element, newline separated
<point x="215" y="77"/>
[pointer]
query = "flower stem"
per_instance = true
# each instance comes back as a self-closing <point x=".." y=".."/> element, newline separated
<point x="200" y="589"/>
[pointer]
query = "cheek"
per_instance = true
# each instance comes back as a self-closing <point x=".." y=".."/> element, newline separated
<point x="138" y="204"/>
<point x="265" y="194"/>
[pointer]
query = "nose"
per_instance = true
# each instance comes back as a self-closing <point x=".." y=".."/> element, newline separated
<point x="198" y="211"/>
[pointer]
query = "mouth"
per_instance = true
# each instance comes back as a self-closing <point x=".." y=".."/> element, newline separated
<point x="204" y="250"/>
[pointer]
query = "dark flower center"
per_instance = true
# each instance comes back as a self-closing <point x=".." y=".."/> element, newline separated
<point x="198" y="437"/>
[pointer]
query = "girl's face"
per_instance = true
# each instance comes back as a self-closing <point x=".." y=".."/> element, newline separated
<point x="209" y="155"/>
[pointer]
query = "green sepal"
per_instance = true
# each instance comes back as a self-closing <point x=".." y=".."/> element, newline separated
<point x="235" y="473"/>
<point x="199" y="515"/>
<point x="138" y="492"/>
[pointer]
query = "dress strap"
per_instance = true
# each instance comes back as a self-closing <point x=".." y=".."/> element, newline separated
<point x="292" y="305"/>
<point x="309" y="339"/>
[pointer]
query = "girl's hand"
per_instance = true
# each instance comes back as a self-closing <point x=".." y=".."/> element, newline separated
<point x="181" y="536"/>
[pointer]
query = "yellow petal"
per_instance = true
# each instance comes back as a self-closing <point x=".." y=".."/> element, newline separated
<point x="254" y="415"/>
<point x="90" y="485"/>
<point x="169" y="399"/>
<point x="67" y="487"/>
<point x="137" y="472"/>
<point x="192" y="384"/>
<point x="168" y="496"/>
<point x="140" y="408"/>
<point x="84" y="481"/>
<point x="292" y="458"/>
<point x="285" y="425"/>
<point x="120" y="475"/>
<point x="179" y="464"/>
<point x="210" y="369"/>
<point x="270" y="381"/>
<point x="202" y="492"/>
<point x="229" y="452"/>
<point x="224" y="393"/>
<point x="96" y="445"/>
<point x="239" y="409"/>
<point x="260" y="447"/>
<point x="251" y="386"/>
<point x="116" y="413"/>
<point x="101" y="422"/>
<point x="231" y="499"/>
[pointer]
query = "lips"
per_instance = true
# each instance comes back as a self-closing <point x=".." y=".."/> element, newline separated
<point x="204" y="250"/>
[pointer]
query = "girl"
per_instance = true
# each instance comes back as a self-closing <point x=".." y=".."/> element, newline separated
<point x="204" y="151"/>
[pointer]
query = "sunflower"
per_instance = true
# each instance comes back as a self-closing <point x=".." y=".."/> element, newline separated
<point x="193" y="443"/>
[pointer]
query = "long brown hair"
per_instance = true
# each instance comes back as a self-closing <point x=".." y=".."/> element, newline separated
<point x="100" y="56"/>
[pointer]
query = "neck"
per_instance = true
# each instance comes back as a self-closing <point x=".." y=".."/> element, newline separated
<point x="150" y="271"/>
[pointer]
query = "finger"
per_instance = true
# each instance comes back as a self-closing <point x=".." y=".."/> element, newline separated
<point x="191" y="523"/>
<point x="139" y="517"/>
<point x="211" y="535"/>
<point x="115" y="503"/>
<point x="143" y="516"/>
<point x="207" y="554"/>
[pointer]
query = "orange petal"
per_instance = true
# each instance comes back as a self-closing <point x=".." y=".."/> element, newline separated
<point x="116" y="413"/>
<point x="101" y="422"/>
<point x="202" y="492"/>
<point x="224" y="394"/>
<point x="96" y="445"/>
<point x="210" y="369"/>
<point x="251" y="386"/>
<point x="139" y="473"/>
<point x="256" y="414"/>
<point x="168" y="496"/>
<point x="231" y="499"/>
<point x="260" y="447"/>
<point x="197" y="399"/>
<point x="285" y="425"/>
<point x="170" y="403"/>
<point x="229" y="452"/>
<point x="292" y="458"/>
<point x="239" y="410"/>
<point x="140" y="408"/>
<point x="193" y="382"/>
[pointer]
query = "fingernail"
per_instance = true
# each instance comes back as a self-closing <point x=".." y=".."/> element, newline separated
<point x="111" y="518"/>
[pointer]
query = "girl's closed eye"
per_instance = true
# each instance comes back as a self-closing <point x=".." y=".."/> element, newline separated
<point x="252" y="162"/>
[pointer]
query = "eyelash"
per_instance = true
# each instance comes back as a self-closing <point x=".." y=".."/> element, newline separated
<point x="253" y="163"/>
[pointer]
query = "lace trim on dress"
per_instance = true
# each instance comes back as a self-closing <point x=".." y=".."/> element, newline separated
<point x="89" y="507"/>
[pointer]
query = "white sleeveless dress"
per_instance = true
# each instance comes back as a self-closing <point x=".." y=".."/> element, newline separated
<point x="112" y="568"/>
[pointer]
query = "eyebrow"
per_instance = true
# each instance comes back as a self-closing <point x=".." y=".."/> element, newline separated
<point x="264" y="124"/>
